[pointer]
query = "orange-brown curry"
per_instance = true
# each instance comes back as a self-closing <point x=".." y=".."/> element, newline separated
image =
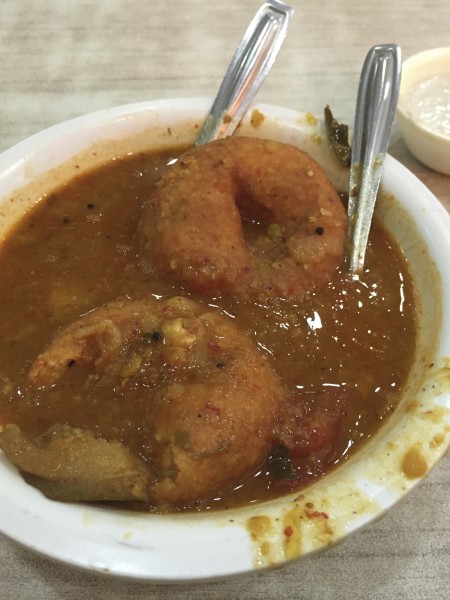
<point x="344" y="350"/>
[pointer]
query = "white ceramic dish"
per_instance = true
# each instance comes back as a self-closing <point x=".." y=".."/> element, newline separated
<point x="424" y="107"/>
<point x="190" y="547"/>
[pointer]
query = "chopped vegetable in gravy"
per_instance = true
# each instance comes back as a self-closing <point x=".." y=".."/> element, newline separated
<point x="274" y="393"/>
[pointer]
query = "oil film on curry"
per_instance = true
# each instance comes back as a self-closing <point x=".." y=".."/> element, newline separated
<point x="180" y="334"/>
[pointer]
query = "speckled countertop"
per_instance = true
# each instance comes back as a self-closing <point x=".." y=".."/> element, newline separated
<point x="61" y="59"/>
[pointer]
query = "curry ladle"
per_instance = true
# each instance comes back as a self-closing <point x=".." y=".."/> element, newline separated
<point x="375" y="110"/>
<point x="252" y="60"/>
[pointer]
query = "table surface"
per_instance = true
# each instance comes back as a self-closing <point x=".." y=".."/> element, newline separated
<point x="61" y="59"/>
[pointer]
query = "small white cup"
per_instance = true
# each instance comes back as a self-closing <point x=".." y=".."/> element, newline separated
<point x="428" y="144"/>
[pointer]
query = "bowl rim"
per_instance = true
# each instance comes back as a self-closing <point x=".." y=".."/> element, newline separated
<point x="180" y="548"/>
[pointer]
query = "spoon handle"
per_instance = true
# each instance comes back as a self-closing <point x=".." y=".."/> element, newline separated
<point x="252" y="61"/>
<point x="375" y="110"/>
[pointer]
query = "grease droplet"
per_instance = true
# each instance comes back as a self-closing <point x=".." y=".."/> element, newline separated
<point x="414" y="464"/>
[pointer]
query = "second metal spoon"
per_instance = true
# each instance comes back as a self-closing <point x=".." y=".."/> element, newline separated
<point x="375" y="110"/>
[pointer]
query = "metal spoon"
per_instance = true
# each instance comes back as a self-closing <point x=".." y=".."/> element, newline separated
<point x="252" y="61"/>
<point x="375" y="110"/>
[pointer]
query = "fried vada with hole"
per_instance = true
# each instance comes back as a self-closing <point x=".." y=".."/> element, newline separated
<point x="244" y="217"/>
<point x="209" y="398"/>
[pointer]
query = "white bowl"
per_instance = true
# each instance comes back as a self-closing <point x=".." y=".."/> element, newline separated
<point x="424" y="102"/>
<point x="168" y="548"/>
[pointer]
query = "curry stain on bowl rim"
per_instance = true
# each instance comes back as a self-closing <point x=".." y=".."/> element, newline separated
<point x="186" y="547"/>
